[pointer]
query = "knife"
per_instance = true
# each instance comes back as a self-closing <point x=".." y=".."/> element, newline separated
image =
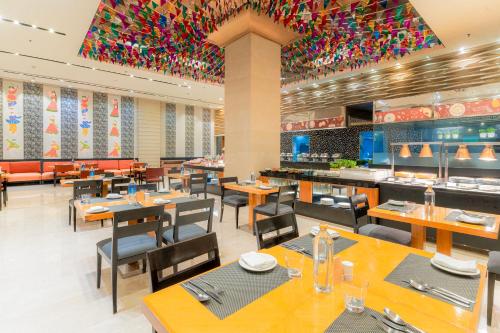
<point x="208" y="292"/>
<point x="389" y="323"/>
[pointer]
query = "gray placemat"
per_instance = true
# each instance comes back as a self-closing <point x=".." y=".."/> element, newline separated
<point x="306" y="242"/>
<point x="402" y="209"/>
<point x="349" y="322"/>
<point x="182" y="199"/>
<point x="419" y="268"/>
<point x="240" y="287"/>
<point x="98" y="200"/>
<point x="489" y="221"/>
<point x="120" y="208"/>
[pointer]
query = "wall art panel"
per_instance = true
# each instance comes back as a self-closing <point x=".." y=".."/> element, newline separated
<point x="69" y="123"/>
<point x="85" y="124"/>
<point x="33" y="120"/>
<point x="13" y="140"/>
<point x="206" y="131"/>
<point x="170" y="127"/>
<point x="127" y="126"/>
<point x="114" y="126"/>
<point x="189" y="133"/>
<point x="100" y="127"/>
<point x="51" y="122"/>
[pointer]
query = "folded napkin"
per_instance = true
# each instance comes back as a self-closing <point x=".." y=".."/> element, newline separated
<point x="265" y="187"/>
<point x="395" y="202"/>
<point x="469" y="266"/>
<point x="470" y="219"/>
<point x="331" y="233"/>
<point x="114" y="196"/>
<point x="257" y="260"/>
<point x="95" y="209"/>
<point x="161" y="201"/>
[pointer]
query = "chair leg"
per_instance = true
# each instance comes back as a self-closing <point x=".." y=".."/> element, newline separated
<point x="221" y="211"/>
<point x="491" y="293"/>
<point x="102" y="223"/>
<point x="74" y="219"/>
<point x="114" y="276"/>
<point x="99" y="262"/>
<point x="144" y="265"/>
<point x="5" y="196"/>
<point x="237" y="215"/>
<point x="69" y="214"/>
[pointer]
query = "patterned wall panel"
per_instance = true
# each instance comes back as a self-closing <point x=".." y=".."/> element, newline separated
<point x="206" y="132"/>
<point x="170" y="126"/>
<point x="69" y="123"/>
<point x="128" y="107"/>
<point x="100" y="125"/>
<point x="189" y="148"/>
<point x="33" y="120"/>
<point x="1" y="118"/>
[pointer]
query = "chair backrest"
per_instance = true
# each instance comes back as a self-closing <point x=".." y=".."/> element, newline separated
<point x="147" y="187"/>
<point x="198" y="183"/>
<point x="274" y="224"/>
<point x="136" y="165"/>
<point x="90" y="165"/>
<point x="114" y="181"/>
<point x="359" y="208"/>
<point x="93" y="187"/>
<point x="154" y="173"/>
<point x="226" y="180"/>
<point x="193" y="212"/>
<point x="286" y="194"/>
<point x="63" y="168"/>
<point x="174" y="254"/>
<point x="108" y="174"/>
<point x="154" y="216"/>
<point x="174" y="170"/>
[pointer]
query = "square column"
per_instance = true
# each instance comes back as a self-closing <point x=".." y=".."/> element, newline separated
<point x="252" y="105"/>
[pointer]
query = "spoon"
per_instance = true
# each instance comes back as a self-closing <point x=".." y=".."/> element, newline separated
<point x="414" y="284"/>
<point x="199" y="296"/>
<point x="216" y="289"/>
<point x="395" y="318"/>
<point x="447" y="293"/>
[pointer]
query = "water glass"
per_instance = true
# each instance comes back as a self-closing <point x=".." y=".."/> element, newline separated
<point x="85" y="199"/>
<point x="294" y="264"/>
<point x="355" y="294"/>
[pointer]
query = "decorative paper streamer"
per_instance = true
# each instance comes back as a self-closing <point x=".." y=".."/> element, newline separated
<point x="13" y="129"/>
<point x="85" y="124"/>
<point x="114" y="126"/>
<point x="51" y="122"/>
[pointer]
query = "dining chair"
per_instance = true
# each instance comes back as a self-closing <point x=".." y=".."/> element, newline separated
<point x="174" y="254"/>
<point x="135" y="172"/>
<point x="92" y="187"/>
<point x="231" y="198"/>
<point x="115" y="181"/>
<point x="359" y="210"/>
<point x="84" y="174"/>
<point x="155" y="175"/>
<point x="198" y="184"/>
<point x="61" y="170"/>
<point x="285" y="227"/>
<point x="285" y="203"/>
<point x="173" y="184"/>
<point x="493" y="275"/>
<point x="188" y="215"/>
<point x="129" y="242"/>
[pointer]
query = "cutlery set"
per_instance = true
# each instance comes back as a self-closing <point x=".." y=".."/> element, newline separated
<point x="391" y="322"/>
<point x="441" y="292"/>
<point x="203" y="294"/>
<point x="297" y="248"/>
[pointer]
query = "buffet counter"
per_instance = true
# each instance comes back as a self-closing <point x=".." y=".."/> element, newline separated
<point x="213" y="170"/>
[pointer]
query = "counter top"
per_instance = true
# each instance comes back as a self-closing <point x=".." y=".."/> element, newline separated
<point x="202" y="166"/>
<point x="442" y="187"/>
<point x="320" y="179"/>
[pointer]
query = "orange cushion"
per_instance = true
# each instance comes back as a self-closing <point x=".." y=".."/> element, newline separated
<point x="107" y="164"/>
<point x="24" y="167"/>
<point x="115" y="171"/>
<point x="5" y="166"/>
<point x="23" y="177"/>
<point x="49" y="166"/>
<point x="125" y="164"/>
<point x="47" y="175"/>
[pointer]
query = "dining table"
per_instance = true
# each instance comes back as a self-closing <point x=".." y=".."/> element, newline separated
<point x="439" y="218"/>
<point x="105" y="180"/>
<point x="293" y="305"/>
<point x="256" y="196"/>
<point x="184" y="177"/>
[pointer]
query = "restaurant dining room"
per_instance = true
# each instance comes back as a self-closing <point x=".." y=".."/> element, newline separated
<point x="250" y="166"/>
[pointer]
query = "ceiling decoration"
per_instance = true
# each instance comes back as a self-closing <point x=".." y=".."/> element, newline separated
<point x="336" y="35"/>
<point x="457" y="70"/>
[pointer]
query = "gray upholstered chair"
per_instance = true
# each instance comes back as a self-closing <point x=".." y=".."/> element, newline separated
<point x="92" y="187"/>
<point x="187" y="216"/>
<point x="130" y="242"/>
<point x="231" y="198"/>
<point x="285" y="203"/>
<point x="119" y="180"/>
<point x="198" y="184"/>
<point x="359" y="210"/>
<point x="276" y="224"/>
<point x="174" y="184"/>
<point x="493" y="275"/>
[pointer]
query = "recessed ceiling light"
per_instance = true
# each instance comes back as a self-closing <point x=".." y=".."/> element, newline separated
<point x="51" y="30"/>
<point x="32" y="81"/>
<point x="17" y="53"/>
<point x="285" y="91"/>
<point x="93" y="68"/>
<point x="131" y="75"/>
<point x="16" y="22"/>
<point x="150" y="79"/>
<point x="398" y="65"/>
<point x="315" y="85"/>
<point x="33" y="26"/>
<point x="299" y="89"/>
<point x="462" y="50"/>
<point x="68" y="64"/>
<point x="220" y="98"/>
<point x="428" y="57"/>
<point x="189" y="87"/>
<point x="373" y="70"/>
<point x="131" y="91"/>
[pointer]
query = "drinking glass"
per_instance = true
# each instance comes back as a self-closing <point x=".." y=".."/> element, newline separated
<point x="85" y="199"/>
<point x="355" y="294"/>
<point x="294" y="264"/>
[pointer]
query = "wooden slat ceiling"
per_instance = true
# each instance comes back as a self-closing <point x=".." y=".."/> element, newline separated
<point x="477" y="66"/>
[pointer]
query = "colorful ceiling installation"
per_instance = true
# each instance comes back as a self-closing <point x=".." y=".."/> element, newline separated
<point x="170" y="36"/>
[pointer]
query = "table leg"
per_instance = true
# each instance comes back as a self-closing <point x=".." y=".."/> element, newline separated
<point x="254" y="200"/>
<point x="444" y="241"/>
<point x="418" y="235"/>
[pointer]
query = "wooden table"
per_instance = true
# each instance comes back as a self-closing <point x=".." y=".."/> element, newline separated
<point x="82" y="208"/>
<point x="105" y="182"/>
<point x="444" y="229"/>
<point x="256" y="196"/>
<point x="182" y="176"/>
<point x="296" y="307"/>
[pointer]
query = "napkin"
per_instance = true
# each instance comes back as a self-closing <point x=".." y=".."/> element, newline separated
<point x="469" y="266"/>
<point x="95" y="209"/>
<point x="257" y="260"/>
<point x="114" y="196"/>
<point x="265" y="187"/>
<point x="395" y="202"/>
<point x="160" y="201"/>
<point x="331" y="233"/>
<point x="470" y="219"/>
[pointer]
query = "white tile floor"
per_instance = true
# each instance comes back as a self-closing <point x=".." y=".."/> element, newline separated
<point x="48" y="272"/>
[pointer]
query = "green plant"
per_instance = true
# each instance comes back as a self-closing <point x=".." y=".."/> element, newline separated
<point x="343" y="164"/>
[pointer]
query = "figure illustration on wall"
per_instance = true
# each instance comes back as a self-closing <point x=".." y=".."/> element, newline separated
<point x="116" y="150"/>
<point x="52" y="127"/>
<point x="114" y="112"/>
<point x="84" y="146"/>
<point x="13" y="120"/>
<point x="53" y="151"/>
<point x="12" y="96"/>
<point x="84" y="105"/>
<point x="85" y="125"/>
<point x="12" y="144"/>
<point x="52" y="107"/>
<point x="114" y="130"/>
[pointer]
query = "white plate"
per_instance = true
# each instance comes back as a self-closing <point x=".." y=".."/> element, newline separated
<point x="114" y="196"/>
<point x="263" y="187"/>
<point x="344" y="204"/>
<point x="331" y="233"/>
<point x="449" y="270"/>
<point x="101" y="210"/>
<point x="161" y="201"/>
<point x="252" y="269"/>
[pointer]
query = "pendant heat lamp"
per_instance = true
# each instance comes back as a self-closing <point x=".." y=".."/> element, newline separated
<point x="426" y="151"/>
<point x="405" y="151"/>
<point x="462" y="153"/>
<point x="488" y="154"/>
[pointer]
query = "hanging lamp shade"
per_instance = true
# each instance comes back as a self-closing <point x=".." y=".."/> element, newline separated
<point x="462" y="153"/>
<point x="426" y="151"/>
<point x="405" y="151"/>
<point x="488" y="154"/>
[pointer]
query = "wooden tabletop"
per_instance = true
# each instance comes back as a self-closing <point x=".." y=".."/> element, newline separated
<point x="438" y="220"/>
<point x="178" y="175"/>
<point x="251" y="189"/>
<point x="70" y="182"/>
<point x="82" y="208"/>
<point x="296" y="307"/>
